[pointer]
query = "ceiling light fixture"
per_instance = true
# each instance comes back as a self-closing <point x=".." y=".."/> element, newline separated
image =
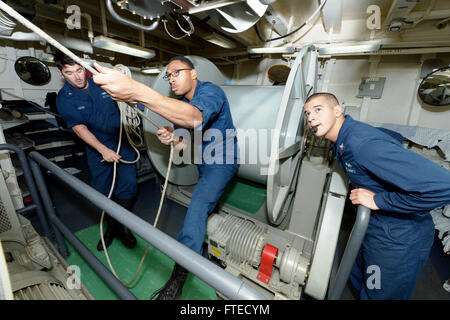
<point x="106" y="43"/>
<point x="285" y="49"/>
<point x="220" y="41"/>
<point x="347" y="50"/>
<point x="151" y="70"/>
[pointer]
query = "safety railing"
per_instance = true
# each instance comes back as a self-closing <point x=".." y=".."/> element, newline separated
<point x="354" y="242"/>
<point x="229" y="285"/>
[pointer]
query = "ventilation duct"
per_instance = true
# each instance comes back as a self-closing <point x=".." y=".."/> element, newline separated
<point x="7" y="24"/>
<point x="238" y="17"/>
<point x="71" y="43"/>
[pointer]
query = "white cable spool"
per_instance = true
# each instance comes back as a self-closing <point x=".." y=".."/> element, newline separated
<point x="272" y="108"/>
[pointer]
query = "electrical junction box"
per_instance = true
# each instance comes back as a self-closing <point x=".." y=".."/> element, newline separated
<point x="371" y="87"/>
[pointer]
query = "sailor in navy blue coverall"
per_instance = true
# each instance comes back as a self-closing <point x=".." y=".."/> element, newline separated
<point x="400" y="187"/>
<point x="214" y="170"/>
<point x="94" y="117"/>
<point x="204" y="108"/>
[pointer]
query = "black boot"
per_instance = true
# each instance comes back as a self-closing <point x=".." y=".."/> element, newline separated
<point x="110" y="234"/>
<point x="173" y="288"/>
<point x="124" y="234"/>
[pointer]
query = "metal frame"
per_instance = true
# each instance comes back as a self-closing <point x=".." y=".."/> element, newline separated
<point x="222" y="281"/>
<point x="351" y="251"/>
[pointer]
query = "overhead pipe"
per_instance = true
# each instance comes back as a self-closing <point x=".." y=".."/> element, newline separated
<point x="72" y="43"/>
<point x="214" y="5"/>
<point x="129" y="22"/>
<point x="89" y="23"/>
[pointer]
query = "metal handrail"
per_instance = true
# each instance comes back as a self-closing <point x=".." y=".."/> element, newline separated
<point x="229" y="285"/>
<point x="350" y="253"/>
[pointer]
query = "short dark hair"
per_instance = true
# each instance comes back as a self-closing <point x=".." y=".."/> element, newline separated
<point x="62" y="59"/>
<point x="184" y="60"/>
<point x="331" y="98"/>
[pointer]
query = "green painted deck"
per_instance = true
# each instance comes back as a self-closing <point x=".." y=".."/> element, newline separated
<point x="154" y="273"/>
<point x="157" y="267"/>
<point x="244" y="195"/>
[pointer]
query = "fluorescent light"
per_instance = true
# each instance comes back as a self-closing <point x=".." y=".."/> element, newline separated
<point x="103" y="42"/>
<point x="220" y="41"/>
<point x="214" y="5"/>
<point x="285" y="49"/>
<point x="152" y="70"/>
<point x="349" y="49"/>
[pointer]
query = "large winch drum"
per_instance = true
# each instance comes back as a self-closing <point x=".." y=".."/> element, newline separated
<point x="269" y="123"/>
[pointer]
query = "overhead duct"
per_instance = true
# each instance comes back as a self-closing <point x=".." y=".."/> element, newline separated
<point x="71" y="43"/>
<point x="25" y="8"/>
<point x="332" y="15"/>
<point x="7" y="24"/>
<point x="240" y="16"/>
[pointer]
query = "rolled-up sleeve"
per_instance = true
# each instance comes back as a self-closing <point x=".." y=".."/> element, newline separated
<point x="68" y="112"/>
<point x="210" y="102"/>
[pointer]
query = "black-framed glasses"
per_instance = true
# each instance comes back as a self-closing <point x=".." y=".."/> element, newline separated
<point x="175" y="73"/>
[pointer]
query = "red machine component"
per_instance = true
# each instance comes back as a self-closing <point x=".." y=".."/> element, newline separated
<point x="268" y="257"/>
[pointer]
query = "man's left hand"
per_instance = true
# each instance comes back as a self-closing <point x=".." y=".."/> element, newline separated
<point x="364" y="197"/>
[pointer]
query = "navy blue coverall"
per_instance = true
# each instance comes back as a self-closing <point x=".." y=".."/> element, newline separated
<point x="406" y="186"/>
<point x="218" y="164"/>
<point x="99" y="113"/>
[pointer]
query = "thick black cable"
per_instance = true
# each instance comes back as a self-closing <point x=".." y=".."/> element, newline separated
<point x="278" y="38"/>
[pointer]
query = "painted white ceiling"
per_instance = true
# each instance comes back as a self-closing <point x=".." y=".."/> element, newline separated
<point x="353" y="28"/>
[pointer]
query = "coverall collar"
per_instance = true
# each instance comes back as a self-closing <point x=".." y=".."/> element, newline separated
<point x="339" y="146"/>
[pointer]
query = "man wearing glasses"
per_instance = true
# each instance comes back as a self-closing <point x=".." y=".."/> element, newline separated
<point x="202" y="106"/>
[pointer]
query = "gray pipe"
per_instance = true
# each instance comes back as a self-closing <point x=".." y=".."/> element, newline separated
<point x="93" y="261"/>
<point x="31" y="185"/>
<point x="227" y="284"/>
<point x="129" y="22"/>
<point x="27" y="209"/>
<point x="48" y="204"/>
<point x="351" y="251"/>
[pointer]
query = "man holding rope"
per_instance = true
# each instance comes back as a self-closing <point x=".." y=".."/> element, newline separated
<point x="95" y="118"/>
<point x="202" y="106"/>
